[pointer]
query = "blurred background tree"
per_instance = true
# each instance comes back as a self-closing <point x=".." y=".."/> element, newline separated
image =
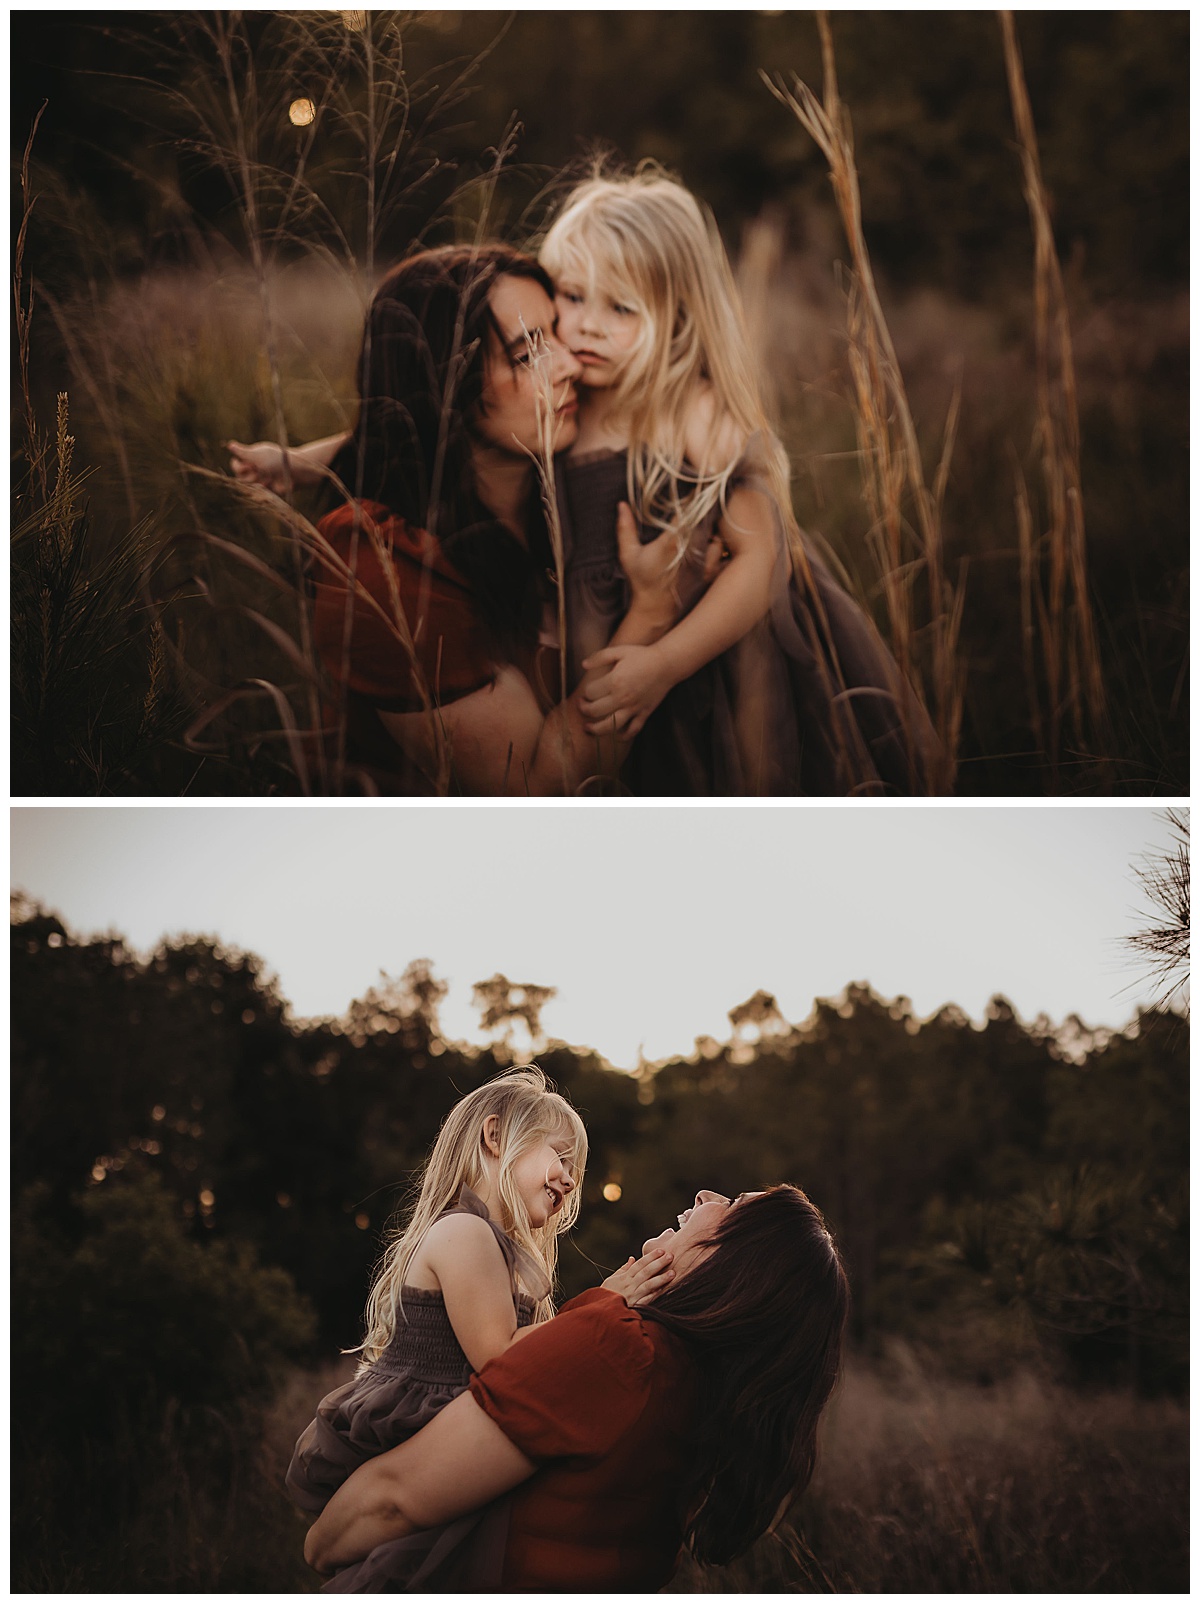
<point x="941" y="189"/>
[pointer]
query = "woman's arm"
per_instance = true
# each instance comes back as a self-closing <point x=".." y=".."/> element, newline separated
<point x="459" y="1462"/>
<point x="265" y="463"/>
<point x="626" y="683"/>
<point x="501" y="742"/>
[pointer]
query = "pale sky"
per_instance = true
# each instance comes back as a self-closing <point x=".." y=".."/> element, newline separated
<point x="652" y="922"/>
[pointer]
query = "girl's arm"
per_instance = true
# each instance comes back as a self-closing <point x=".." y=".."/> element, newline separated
<point x="460" y="1461"/>
<point x="638" y="677"/>
<point x="464" y="1257"/>
<point x="265" y="463"/>
<point x="501" y="742"/>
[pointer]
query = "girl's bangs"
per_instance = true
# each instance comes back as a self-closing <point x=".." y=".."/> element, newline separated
<point x="594" y="255"/>
<point x="564" y="1122"/>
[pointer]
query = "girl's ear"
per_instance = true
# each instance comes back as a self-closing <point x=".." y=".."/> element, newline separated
<point x="491" y="1135"/>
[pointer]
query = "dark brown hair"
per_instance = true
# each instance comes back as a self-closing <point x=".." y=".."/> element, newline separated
<point x="763" y="1317"/>
<point x="421" y="377"/>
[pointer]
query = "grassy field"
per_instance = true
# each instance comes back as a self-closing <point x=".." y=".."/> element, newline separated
<point x="1001" y="478"/>
<point x="192" y="373"/>
<point x="923" y="1485"/>
<point x="929" y="1486"/>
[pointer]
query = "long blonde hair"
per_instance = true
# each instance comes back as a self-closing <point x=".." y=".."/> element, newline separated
<point x="527" y="1108"/>
<point x="647" y="241"/>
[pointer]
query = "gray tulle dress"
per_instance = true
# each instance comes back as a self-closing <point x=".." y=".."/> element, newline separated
<point x="417" y="1375"/>
<point x="809" y="703"/>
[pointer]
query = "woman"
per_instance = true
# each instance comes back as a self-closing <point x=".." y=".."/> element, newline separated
<point x="622" y="1433"/>
<point x="432" y="588"/>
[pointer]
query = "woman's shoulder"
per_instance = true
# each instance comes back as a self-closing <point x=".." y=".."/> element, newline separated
<point x="379" y="531"/>
<point x="619" y="1334"/>
<point x="438" y="652"/>
<point x="577" y="1383"/>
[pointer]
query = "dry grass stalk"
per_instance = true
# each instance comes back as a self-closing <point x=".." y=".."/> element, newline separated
<point x="1028" y="592"/>
<point x="345" y="571"/>
<point x="893" y="473"/>
<point x="543" y="460"/>
<point x="605" y="780"/>
<point x="226" y="34"/>
<point x="1071" y="657"/>
<point x="35" y="446"/>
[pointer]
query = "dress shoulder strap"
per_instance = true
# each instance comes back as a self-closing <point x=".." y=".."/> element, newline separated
<point x="523" y="1268"/>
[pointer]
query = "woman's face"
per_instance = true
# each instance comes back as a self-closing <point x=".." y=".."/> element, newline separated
<point x="601" y="330"/>
<point x="691" y="1244"/>
<point x="530" y="377"/>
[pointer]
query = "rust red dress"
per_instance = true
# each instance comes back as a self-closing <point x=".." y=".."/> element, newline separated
<point x="406" y="635"/>
<point x="605" y="1403"/>
<point x="411" y="591"/>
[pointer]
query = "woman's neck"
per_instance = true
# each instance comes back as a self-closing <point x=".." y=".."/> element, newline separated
<point x="503" y="483"/>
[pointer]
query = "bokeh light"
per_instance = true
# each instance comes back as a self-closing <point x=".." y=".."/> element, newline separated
<point x="301" y="113"/>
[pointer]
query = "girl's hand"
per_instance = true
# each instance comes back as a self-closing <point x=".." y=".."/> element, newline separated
<point x="622" y="699"/>
<point x="650" y="569"/>
<point x="262" y="464"/>
<point x="641" y="1280"/>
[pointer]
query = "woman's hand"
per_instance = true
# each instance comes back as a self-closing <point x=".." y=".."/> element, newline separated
<point x="641" y="1280"/>
<point x="622" y="699"/>
<point x="264" y="463"/>
<point x="650" y="570"/>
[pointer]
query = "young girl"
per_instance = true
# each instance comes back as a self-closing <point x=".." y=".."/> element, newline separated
<point x="472" y="1268"/>
<point x="773" y="682"/>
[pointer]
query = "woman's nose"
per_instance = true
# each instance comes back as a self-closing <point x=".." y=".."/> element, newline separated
<point x="710" y="1197"/>
<point x="567" y="365"/>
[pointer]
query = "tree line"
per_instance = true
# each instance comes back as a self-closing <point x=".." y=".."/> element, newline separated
<point x="952" y="1161"/>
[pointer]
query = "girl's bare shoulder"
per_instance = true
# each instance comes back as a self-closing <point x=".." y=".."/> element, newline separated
<point x="713" y="440"/>
<point x="455" y="1237"/>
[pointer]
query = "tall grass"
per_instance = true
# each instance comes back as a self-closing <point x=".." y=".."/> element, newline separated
<point x="923" y="1485"/>
<point x="1075" y="693"/>
<point x="92" y="701"/>
<point x="252" y="332"/>
<point x="893" y="475"/>
<point x="926" y="1485"/>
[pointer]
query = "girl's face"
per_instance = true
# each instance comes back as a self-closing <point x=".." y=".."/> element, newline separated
<point x="529" y="372"/>
<point x="600" y="330"/>
<point x="543" y="1177"/>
